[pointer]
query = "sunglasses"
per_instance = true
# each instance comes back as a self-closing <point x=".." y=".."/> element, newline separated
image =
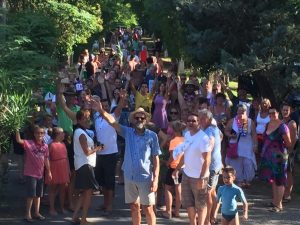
<point x="175" y="113"/>
<point x="192" y="121"/>
<point x="139" y="118"/>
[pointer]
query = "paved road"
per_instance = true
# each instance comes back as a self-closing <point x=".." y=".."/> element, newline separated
<point x="12" y="207"/>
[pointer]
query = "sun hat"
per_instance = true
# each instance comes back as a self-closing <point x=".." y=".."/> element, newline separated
<point x="139" y="110"/>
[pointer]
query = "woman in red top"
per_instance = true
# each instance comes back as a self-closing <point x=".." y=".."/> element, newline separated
<point x="144" y="55"/>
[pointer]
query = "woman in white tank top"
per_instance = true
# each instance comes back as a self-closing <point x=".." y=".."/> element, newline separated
<point x="84" y="161"/>
<point x="262" y="120"/>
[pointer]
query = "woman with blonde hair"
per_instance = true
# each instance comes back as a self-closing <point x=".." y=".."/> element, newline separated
<point x="262" y="119"/>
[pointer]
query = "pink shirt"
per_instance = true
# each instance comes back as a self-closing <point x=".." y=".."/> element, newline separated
<point x="35" y="155"/>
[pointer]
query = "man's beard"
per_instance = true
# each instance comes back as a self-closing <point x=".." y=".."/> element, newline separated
<point x="140" y="126"/>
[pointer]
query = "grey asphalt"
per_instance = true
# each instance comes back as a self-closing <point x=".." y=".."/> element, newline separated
<point x="12" y="205"/>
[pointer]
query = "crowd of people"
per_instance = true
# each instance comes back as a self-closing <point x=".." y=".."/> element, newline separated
<point x="173" y="134"/>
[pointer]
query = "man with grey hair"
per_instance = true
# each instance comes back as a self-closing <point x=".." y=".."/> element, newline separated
<point x="215" y="136"/>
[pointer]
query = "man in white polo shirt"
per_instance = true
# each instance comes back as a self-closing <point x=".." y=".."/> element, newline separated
<point x="107" y="158"/>
<point x="197" y="150"/>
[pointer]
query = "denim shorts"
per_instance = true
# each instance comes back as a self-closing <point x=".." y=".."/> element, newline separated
<point x="34" y="187"/>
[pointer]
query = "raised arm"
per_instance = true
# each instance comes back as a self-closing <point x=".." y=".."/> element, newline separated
<point x="154" y="86"/>
<point x="227" y="89"/>
<point x="180" y="96"/>
<point x="120" y="105"/>
<point x="132" y="87"/>
<point x="61" y="102"/>
<point x="18" y="138"/>
<point x="101" y="80"/>
<point x="97" y="106"/>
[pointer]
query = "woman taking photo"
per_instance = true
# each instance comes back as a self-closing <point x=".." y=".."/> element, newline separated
<point x="274" y="155"/>
<point x="241" y="130"/>
<point x="84" y="160"/>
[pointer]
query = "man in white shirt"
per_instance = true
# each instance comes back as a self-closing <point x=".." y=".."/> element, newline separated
<point x="197" y="153"/>
<point x="107" y="158"/>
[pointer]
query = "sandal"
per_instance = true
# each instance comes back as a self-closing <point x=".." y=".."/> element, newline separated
<point x="275" y="209"/>
<point x="166" y="215"/>
<point x="270" y="204"/>
<point x="213" y="221"/>
<point x="286" y="199"/>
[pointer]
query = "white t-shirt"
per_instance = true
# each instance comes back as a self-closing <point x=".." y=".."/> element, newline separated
<point x="106" y="135"/>
<point x="193" y="160"/>
<point x="80" y="158"/>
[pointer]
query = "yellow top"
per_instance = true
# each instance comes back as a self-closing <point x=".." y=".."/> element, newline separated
<point x="143" y="101"/>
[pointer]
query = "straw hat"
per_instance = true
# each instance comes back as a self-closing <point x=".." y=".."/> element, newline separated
<point x="138" y="110"/>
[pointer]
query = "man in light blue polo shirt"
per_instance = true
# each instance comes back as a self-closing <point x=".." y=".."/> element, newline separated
<point x="141" y="162"/>
<point x="214" y="134"/>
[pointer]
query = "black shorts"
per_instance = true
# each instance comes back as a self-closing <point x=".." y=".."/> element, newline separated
<point x="34" y="187"/>
<point x="106" y="170"/>
<point x="85" y="178"/>
<point x="291" y="162"/>
<point x="169" y="180"/>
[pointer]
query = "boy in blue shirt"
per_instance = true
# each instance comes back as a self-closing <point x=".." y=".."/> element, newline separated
<point x="228" y="194"/>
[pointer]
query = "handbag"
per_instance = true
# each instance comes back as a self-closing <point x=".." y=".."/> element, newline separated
<point x="232" y="149"/>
